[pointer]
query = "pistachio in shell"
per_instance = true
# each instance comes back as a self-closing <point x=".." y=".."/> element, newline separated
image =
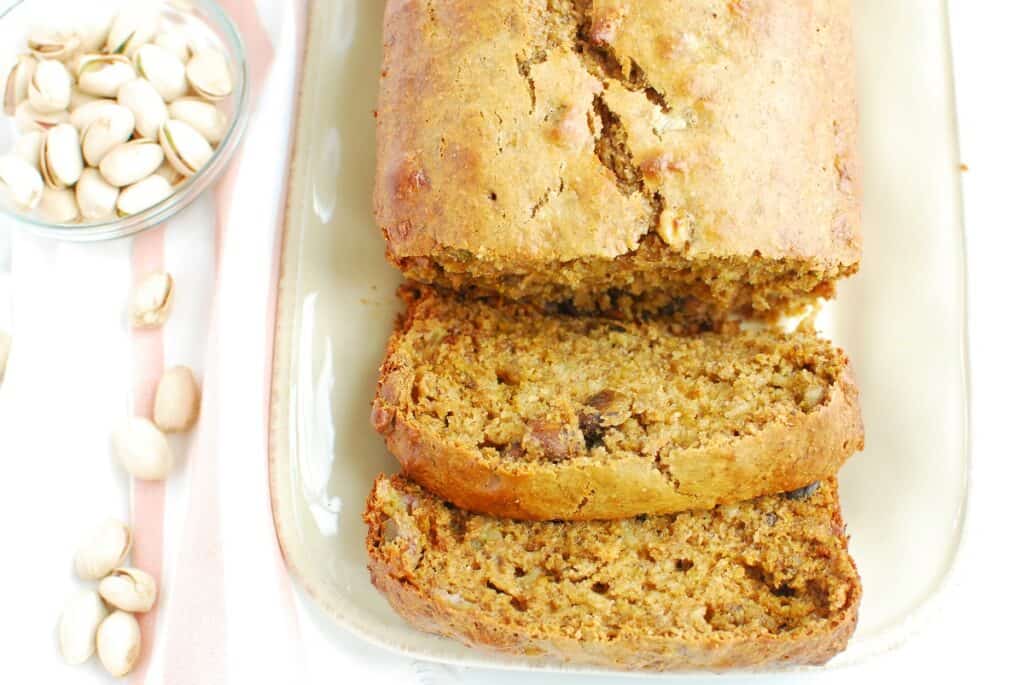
<point x="209" y="74"/>
<point x="161" y="68"/>
<point x="108" y="130"/>
<point x="145" y="102"/>
<point x="103" y="75"/>
<point x="205" y="117"/>
<point x="60" y="156"/>
<point x="50" y="87"/>
<point x="18" y="79"/>
<point x="185" y="149"/>
<point x="131" y="162"/>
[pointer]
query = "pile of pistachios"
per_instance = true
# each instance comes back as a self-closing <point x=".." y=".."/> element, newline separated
<point x="102" y="621"/>
<point x="112" y="116"/>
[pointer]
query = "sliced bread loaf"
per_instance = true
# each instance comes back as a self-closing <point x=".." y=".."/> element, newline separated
<point x="763" y="583"/>
<point x="506" y="410"/>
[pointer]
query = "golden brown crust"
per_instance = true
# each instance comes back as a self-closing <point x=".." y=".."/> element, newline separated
<point x="515" y="136"/>
<point x="425" y="608"/>
<point x="784" y="455"/>
<point x="779" y="459"/>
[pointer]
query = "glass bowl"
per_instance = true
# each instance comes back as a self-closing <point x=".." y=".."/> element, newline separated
<point x="203" y="20"/>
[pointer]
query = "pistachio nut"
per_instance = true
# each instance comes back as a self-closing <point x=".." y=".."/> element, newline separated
<point x="85" y="114"/>
<point x="161" y="68"/>
<point x="209" y="74"/>
<point x="49" y="43"/>
<point x="111" y="128"/>
<point x="176" y="404"/>
<point x="80" y="97"/>
<point x="60" y="156"/>
<point x="169" y="174"/>
<point x="58" y="206"/>
<point x="20" y="181"/>
<point x="201" y="115"/>
<point x="185" y="149"/>
<point x="174" y="42"/>
<point x="118" y="642"/>
<point x="103" y="75"/>
<point x="151" y="303"/>
<point x="5" y="352"/>
<point x="131" y="162"/>
<point x="141" y="449"/>
<point x="27" y="147"/>
<point x="134" y="26"/>
<point x="129" y="589"/>
<point x="27" y="118"/>
<point x="50" y="87"/>
<point x="145" y="102"/>
<point x="143" y="195"/>
<point x="16" y="90"/>
<point x="79" y="623"/>
<point x="104" y="549"/>
<point x="97" y="199"/>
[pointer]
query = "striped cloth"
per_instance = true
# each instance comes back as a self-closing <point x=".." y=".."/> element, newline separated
<point x="228" y="612"/>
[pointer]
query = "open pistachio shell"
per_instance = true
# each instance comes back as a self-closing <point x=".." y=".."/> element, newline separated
<point x="161" y="68"/>
<point x="185" y="149"/>
<point x="27" y="118"/>
<point x="209" y="74"/>
<point x="60" y="156"/>
<point x="118" y="643"/>
<point x="97" y="199"/>
<point x="20" y="182"/>
<point x="103" y="75"/>
<point x="145" y="102"/>
<point x="58" y="206"/>
<point x="50" y="87"/>
<point x="114" y="126"/>
<point x="16" y="89"/>
<point x="48" y="43"/>
<point x="129" y="589"/>
<point x="203" y="116"/>
<point x="131" y="162"/>
<point x="143" y="195"/>
<point x="79" y="623"/>
<point x="134" y="26"/>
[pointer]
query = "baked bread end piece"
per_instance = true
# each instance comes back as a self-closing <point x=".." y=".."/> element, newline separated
<point x="633" y="156"/>
<point x="764" y="584"/>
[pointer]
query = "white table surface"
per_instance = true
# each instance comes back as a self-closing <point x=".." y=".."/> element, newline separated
<point x="977" y="631"/>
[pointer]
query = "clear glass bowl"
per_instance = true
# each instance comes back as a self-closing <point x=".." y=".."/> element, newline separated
<point x="203" y="16"/>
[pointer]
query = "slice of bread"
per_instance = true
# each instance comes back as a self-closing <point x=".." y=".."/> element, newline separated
<point x="506" y="410"/>
<point x="764" y="583"/>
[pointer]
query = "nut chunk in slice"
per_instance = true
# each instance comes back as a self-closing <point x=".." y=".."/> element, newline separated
<point x="765" y="583"/>
<point x="506" y="410"/>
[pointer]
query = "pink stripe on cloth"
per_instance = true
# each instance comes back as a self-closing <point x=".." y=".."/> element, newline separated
<point x="259" y="50"/>
<point x="147" y="496"/>
<point x="196" y="632"/>
<point x="196" y="625"/>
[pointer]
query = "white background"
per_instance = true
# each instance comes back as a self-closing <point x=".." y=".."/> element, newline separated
<point x="977" y="633"/>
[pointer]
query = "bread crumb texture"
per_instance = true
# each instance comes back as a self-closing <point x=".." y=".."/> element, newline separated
<point x="765" y="583"/>
<point x="511" y="411"/>
<point x="611" y="152"/>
